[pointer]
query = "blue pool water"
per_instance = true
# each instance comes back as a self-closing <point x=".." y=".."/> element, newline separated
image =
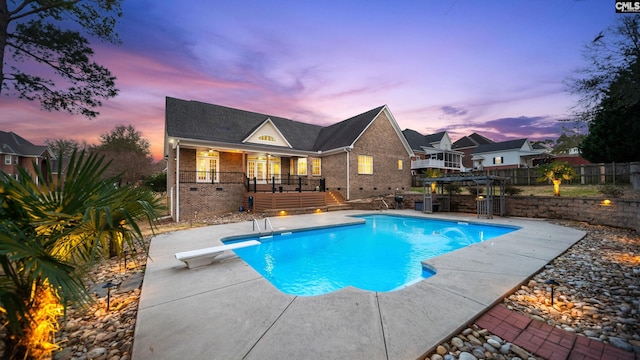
<point x="384" y="254"/>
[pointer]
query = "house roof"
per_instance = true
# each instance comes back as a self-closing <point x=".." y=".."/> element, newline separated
<point x="208" y="122"/>
<point x="417" y="140"/>
<point x="201" y="121"/>
<point x="13" y="144"/>
<point x="346" y="132"/>
<point x="472" y="140"/>
<point x="500" y="146"/>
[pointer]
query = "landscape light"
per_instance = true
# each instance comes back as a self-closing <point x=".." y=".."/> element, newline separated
<point x="553" y="284"/>
<point x="108" y="286"/>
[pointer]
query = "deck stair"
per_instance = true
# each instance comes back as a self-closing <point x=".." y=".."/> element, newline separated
<point x="335" y="201"/>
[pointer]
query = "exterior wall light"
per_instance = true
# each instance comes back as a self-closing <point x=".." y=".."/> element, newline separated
<point x="606" y="202"/>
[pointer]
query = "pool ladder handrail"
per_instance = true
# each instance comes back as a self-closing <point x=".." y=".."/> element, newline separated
<point x="267" y="223"/>
<point x="385" y="204"/>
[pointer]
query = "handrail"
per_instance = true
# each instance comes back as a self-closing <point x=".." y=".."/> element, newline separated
<point x="256" y="225"/>
<point x="268" y="222"/>
<point x="385" y="204"/>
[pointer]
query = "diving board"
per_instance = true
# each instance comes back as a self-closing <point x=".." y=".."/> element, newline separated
<point x="201" y="257"/>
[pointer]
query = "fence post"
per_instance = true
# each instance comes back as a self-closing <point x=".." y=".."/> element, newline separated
<point x="273" y="184"/>
<point x="634" y="173"/>
<point x="299" y="184"/>
<point x="255" y="184"/>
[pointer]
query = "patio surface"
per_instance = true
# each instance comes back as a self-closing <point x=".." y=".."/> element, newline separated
<point x="227" y="310"/>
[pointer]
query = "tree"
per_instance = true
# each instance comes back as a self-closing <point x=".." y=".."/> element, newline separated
<point x="41" y="37"/>
<point x="556" y="172"/>
<point x="614" y="133"/>
<point x="128" y="152"/>
<point x="49" y="231"/>
<point x="610" y="53"/>
<point x="66" y="147"/>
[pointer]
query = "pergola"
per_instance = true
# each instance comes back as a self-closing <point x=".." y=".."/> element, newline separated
<point x="434" y="196"/>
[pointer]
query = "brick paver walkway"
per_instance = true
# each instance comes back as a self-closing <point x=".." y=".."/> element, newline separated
<point x="547" y="341"/>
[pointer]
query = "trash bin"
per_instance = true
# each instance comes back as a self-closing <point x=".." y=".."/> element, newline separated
<point x="418" y="205"/>
<point x="436" y="207"/>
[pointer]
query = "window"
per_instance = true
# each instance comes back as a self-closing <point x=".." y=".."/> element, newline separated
<point x="302" y="166"/>
<point x="207" y="167"/>
<point x="316" y="167"/>
<point x="498" y="160"/>
<point x="266" y="138"/>
<point x="7" y="159"/>
<point x="399" y="164"/>
<point x="365" y="164"/>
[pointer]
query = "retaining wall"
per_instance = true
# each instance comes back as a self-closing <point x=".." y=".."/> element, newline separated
<point x="622" y="213"/>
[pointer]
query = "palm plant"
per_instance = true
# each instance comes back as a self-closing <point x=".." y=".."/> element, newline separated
<point x="50" y="231"/>
<point x="556" y="172"/>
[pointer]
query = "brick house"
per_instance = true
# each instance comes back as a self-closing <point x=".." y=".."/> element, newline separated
<point x="218" y="157"/>
<point x="16" y="152"/>
<point x="467" y="145"/>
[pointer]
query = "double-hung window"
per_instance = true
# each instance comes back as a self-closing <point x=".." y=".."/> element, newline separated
<point x="365" y="164"/>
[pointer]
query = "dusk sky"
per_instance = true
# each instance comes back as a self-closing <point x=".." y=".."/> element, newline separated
<point x="492" y="67"/>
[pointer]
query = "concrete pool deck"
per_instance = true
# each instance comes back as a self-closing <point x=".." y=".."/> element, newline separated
<point x="227" y="310"/>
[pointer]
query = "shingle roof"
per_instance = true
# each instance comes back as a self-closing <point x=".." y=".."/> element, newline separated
<point x="500" y="146"/>
<point x="472" y="140"/>
<point x="201" y="121"/>
<point x="345" y="132"/>
<point x="417" y="140"/>
<point x="14" y="144"/>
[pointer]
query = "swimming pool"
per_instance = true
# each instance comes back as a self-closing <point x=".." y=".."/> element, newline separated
<point x="383" y="254"/>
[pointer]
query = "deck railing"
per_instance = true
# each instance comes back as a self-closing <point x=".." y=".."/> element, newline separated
<point x="209" y="177"/>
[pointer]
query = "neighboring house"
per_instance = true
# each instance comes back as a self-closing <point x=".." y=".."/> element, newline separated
<point x="16" y="152"/>
<point x="219" y="156"/>
<point x="467" y="145"/>
<point x="507" y="154"/>
<point x="433" y="152"/>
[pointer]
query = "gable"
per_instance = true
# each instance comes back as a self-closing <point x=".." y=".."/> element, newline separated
<point x="268" y="134"/>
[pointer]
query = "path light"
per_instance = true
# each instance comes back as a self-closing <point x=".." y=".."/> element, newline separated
<point x="126" y="252"/>
<point x="108" y="286"/>
<point x="553" y="284"/>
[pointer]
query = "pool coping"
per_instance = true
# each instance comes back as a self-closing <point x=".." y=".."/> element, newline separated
<point x="226" y="310"/>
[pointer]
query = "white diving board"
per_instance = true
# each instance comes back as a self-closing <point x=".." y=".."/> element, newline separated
<point x="201" y="257"/>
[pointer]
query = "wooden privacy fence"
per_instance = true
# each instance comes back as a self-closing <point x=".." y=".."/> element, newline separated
<point x="589" y="174"/>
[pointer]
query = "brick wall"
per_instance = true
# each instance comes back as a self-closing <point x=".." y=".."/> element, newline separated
<point x="205" y="200"/>
<point x="381" y="142"/>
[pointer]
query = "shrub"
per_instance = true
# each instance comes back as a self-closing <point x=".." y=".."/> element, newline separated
<point x="157" y="182"/>
<point x="453" y="189"/>
<point x="610" y="191"/>
<point x="512" y="190"/>
<point x="474" y="189"/>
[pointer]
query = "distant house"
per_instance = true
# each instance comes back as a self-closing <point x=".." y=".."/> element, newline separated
<point x="467" y="145"/>
<point x="507" y="154"/>
<point x="221" y="159"/>
<point x="17" y="152"/>
<point x="433" y="152"/>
